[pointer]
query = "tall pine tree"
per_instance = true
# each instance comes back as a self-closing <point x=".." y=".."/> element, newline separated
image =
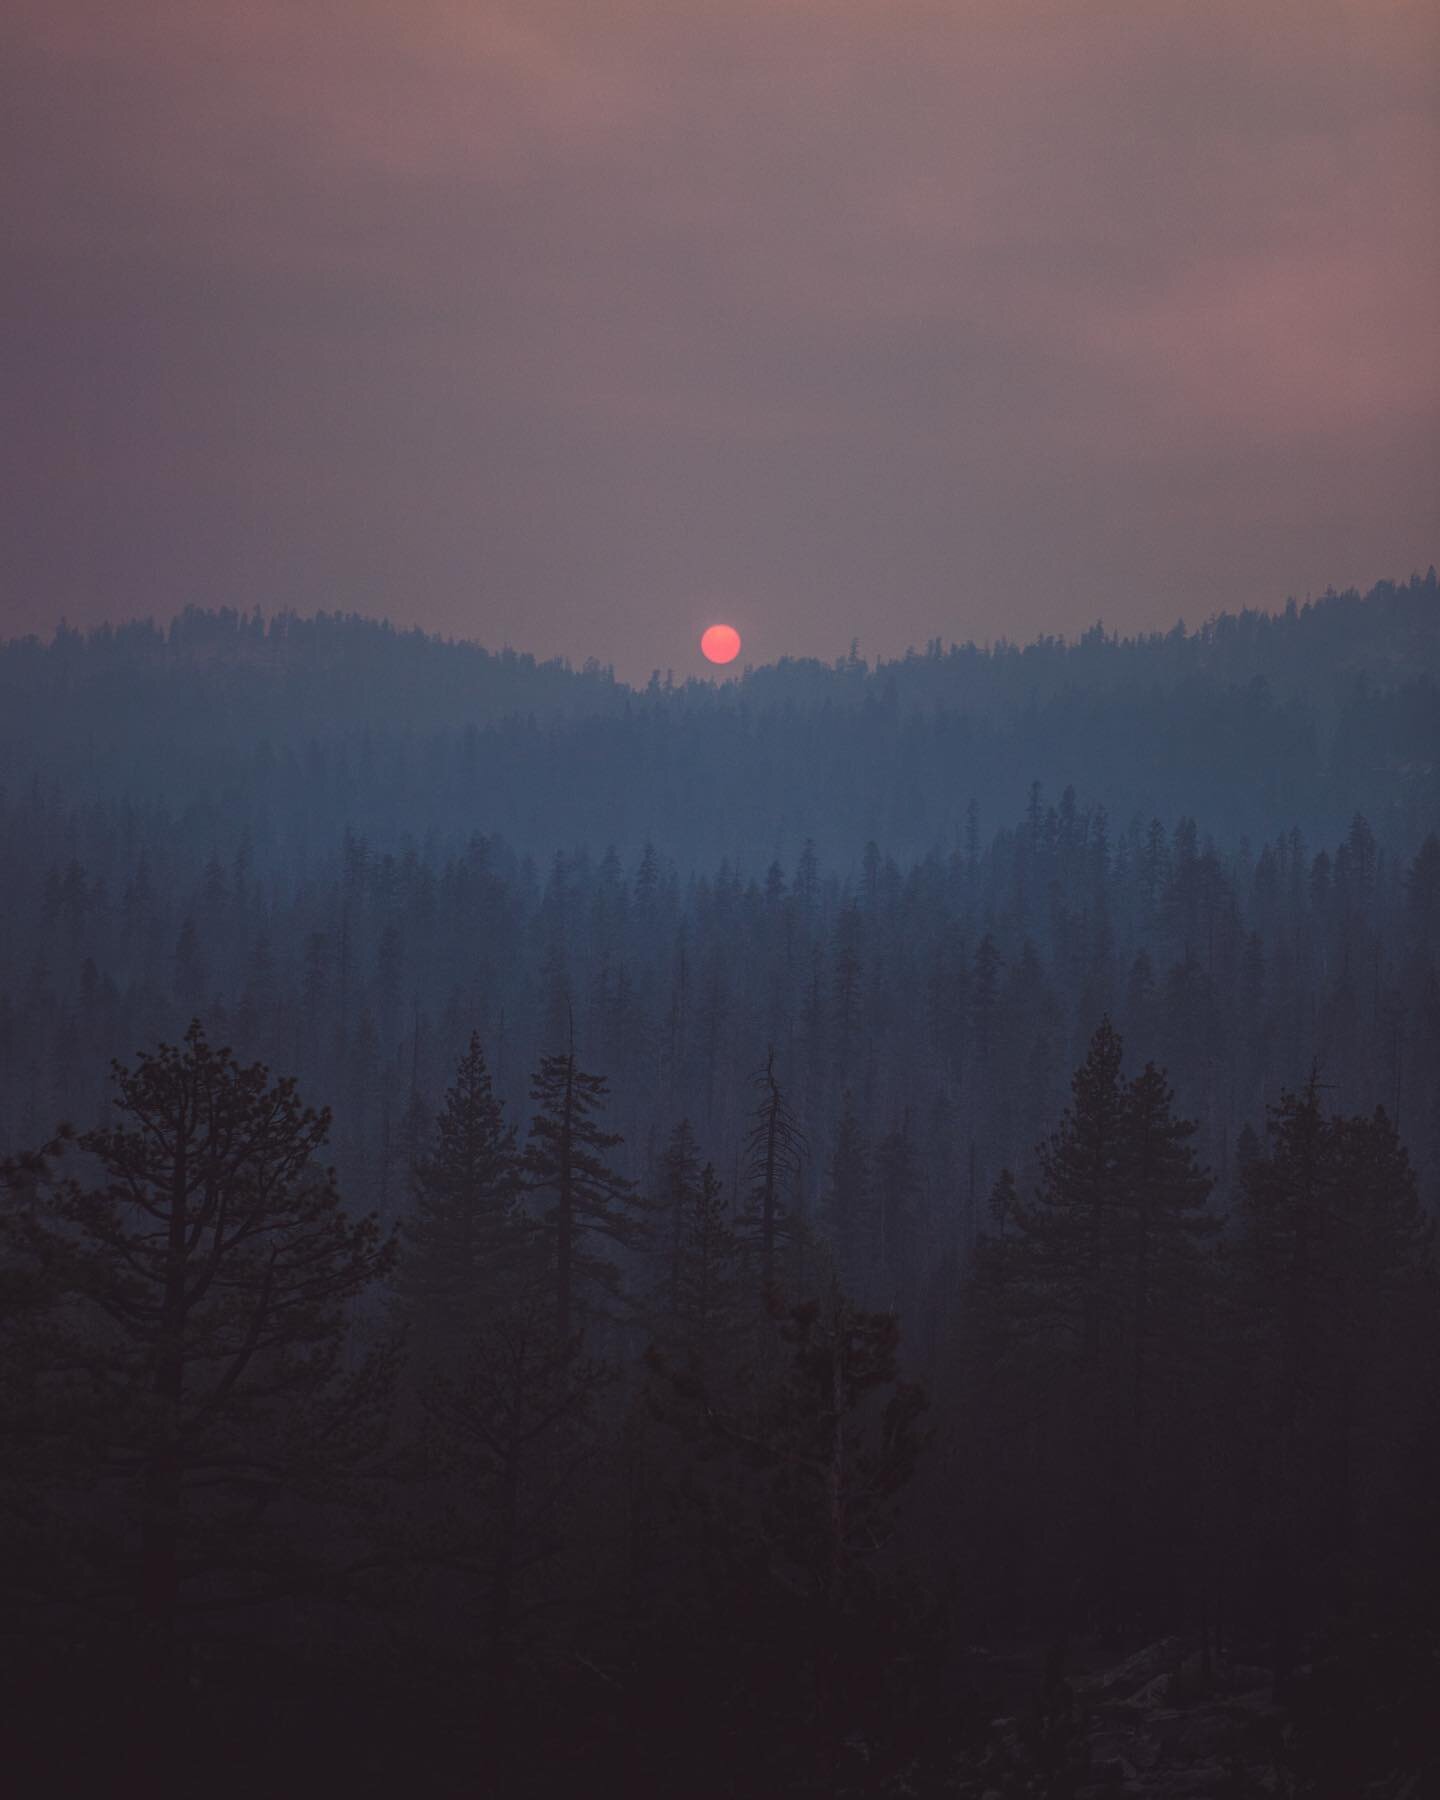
<point x="464" y="1241"/>
<point x="774" y="1149"/>
<point x="1338" y="1295"/>
<point x="199" y="1333"/>
<point x="592" y="1210"/>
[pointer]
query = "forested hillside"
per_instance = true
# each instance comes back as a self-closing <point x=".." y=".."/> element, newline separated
<point x="841" y="1208"/>
<point x="283" y="730"/>
<point x="944" y="999"/>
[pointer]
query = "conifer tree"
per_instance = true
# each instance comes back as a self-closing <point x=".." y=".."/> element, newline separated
<point x="1162" y="1205"/>
<point x="999" y="1374"/>
<point x="707" y="1295"/>
<point x="592" y="1207"/>
<point x="698" y="1313"/>
<point x="464" y="1241"/>
<point x="1094" y="1298"/>
<point x="773" y="1151"/>
<point x="201" y="1290"/>
<point x="1071" y="1230"/>
<point x="1338" y="1288"/>
<point x="1165" y="1323"/>
<point x="984" y="997"/>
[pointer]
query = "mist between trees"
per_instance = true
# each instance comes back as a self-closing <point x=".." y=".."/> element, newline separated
<point x="766" y="1319"/>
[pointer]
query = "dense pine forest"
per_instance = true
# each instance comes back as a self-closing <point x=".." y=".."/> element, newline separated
<point x="861" y="1230"/>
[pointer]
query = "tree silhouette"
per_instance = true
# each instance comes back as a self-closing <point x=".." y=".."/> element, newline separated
<point x="1093" y="1293"/>
<point x="589" y="1201"/>
<point x="1338" y="1289"/>
<point x="464" y="1240"/>
<point x="773" y="1151"/>
<point x="202" y="1288"/>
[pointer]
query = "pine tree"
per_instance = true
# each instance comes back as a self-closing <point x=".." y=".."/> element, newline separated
<point x="1163" y="1214"/>
<point x="707" y="1293"/>
<point x="1071" y="1231"/>
<point x="984" y="997"/>
<point x="773" y="1151"/>
<point x="1165" y="1322"/>
<point x="202" y="1290"/>
<point x="1337" y="1284"/>
<point x="591" y="1205"/>
<point x="464" y="1240"/>
<point x="1093" y="1296"/>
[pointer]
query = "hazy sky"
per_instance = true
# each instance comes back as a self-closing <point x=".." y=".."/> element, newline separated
<point x="578" y="323"/>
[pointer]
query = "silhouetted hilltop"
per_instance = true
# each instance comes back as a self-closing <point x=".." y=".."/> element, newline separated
<point x="1253" y="720"/>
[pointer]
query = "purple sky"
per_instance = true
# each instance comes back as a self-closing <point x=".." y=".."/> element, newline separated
<point x="578" y="323"/>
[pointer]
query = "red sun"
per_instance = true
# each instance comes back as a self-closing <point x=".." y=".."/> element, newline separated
<point x="720" y="643"/>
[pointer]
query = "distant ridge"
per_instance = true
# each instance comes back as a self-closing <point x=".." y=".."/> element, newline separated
<point x="1391" y="634"/>
<point x="1256" y="722"/>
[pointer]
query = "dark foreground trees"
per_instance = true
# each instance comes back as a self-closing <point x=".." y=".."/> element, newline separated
<point x="190" y="1387"/>
<point x="724" y="1566"/>
<point x="510" y="1436"/>
<point x="774" y="1609"/>
<point x="1336" y="1299"/>
<point x="1181" y="1422"/>
<point x="1089" y="1325"/>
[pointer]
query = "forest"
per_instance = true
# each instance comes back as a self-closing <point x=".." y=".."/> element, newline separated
<point x="861" y="1230"/>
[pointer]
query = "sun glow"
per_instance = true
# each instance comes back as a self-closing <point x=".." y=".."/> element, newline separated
<point x="720" y="643"/>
